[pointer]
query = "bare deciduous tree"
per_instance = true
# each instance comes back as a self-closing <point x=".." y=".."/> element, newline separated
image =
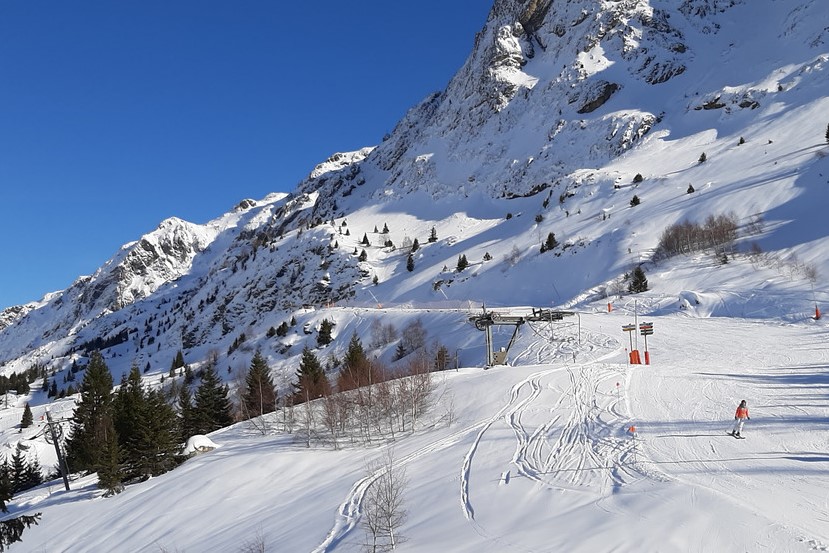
<point x="383" y="507"/>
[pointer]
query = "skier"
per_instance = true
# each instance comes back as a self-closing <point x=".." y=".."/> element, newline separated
<point x="739" y="419"/>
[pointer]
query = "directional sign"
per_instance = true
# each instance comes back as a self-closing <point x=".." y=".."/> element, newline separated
<point x="645" y="329"/>
<point x="628" y="328"/>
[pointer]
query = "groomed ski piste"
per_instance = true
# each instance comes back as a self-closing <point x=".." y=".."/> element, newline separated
<point x="566" y="448"/>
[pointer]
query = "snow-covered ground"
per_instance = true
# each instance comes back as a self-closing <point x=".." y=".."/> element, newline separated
<point x="568" y="449"/>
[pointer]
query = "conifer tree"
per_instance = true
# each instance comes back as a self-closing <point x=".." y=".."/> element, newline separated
<point x="356" y="369"/>
<point x="638" y="283"/>
<point x="462" y="262"/>
<point x="410" y="263"/>
<point x="89" y="430"/>
<point x="108" y="466"/>
<point x="157" y="442"/>
<point x="433" y="235"/>
<point x="11" y="529"/>
<point x="827" y="134"/>
<point x="213" y="409"/>
<point x="363" y="256"/>
<point x="324" y="336"/>
<point x="259" y="396"/>
<point x="550" y="243"/>
<point x="27" y="419"/>
<point x="415" y="245"/>
<point x="186" y="415"/>
<point x="365" y="241"/>
<point x="385" y="228"/>
<point x="145" y="425"/>
<point x="178" y="362"/>
<point x="311" y="380"/>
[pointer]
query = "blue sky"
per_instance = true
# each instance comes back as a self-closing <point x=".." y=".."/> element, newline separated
<point x="115" y="116"/>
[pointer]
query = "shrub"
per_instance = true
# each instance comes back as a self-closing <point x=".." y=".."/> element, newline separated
<point x="634" y="201"/>
<point x="703" y="158"/>
<point x="638" y="178"/>
<point x="690" y="189"/>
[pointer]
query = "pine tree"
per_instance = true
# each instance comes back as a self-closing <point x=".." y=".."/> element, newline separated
<point x="311" y="380"/>
<point x="550" y="243"/>
<point x="324" y="336"/>
<point x="259" y="396"/>
<point x="158" y="442"/>
<point x="356" y="370"/>
<point x="415" y="245"/>
<point x="365" y="241"/>
<point x="433" y="235"/>
<point x="410" y="263"/>
<point x="108" y="467"/>
<point x="363" y="256"/>
<point x="385" y="228"/>
<point x="178" y="362"/>
<point x="17" y="470"/>
<point x="11" y="529"/>
<point x="27" y="419"/>
<point x="690" y="189"/>
<point x="89" y="432"/>
<point x="638" y="283"/>
<point x="635" y="201"/>
<point x="827" y="134"/>
<point x="462" y="263"/>
<point x="213" y="409"/>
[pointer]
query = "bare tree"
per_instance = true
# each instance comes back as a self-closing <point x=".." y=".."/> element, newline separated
<point x="383" y="507"/>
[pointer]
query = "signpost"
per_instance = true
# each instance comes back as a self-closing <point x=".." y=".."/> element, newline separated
<point x="633" y="358"/>
<point x="646" y="329"/>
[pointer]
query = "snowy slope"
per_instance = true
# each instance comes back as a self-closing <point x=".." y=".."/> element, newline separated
<point x="544" y="129"/>
<point x="537" y="457"/>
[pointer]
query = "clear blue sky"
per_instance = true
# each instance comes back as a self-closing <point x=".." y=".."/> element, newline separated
<point x="117" y="115"/>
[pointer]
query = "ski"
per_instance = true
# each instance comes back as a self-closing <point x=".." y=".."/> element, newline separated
<point x="733" y="435"/>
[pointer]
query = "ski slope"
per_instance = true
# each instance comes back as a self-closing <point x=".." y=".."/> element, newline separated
<point x="537" y="456"/>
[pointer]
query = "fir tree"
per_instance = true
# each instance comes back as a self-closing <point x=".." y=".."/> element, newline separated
<point x="213" y="409"/>
<point x="311" y="380"/>
<point x="433" y="235"/>
<point x="550" y="243"/>
<point x="385" y="228"/>
<point x="363" y="256"/>
<point x="27" y="419"/>
<point x="462" y="263"/>
<point x="415" y="245"/>
<point x="634" y="201"/>
<point x="178" y="362"/>
<point x="410" y="263"/>
<point x="324" y="336"/>
<point x="145" y="425"/>
<point x="356" y="369"/>
<point x="187" y="425"/>
<point x="638" y="283"/>
<point x="108" y="467"/>
<point x="690" y="189"/>
<point x="365" y="241"/>
<point x="11" y="529"/>
<point x="89" y="430"/>
<point x="259" y="396"/>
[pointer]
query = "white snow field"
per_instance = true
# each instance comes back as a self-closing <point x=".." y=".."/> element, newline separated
<point x="548" y="454"/>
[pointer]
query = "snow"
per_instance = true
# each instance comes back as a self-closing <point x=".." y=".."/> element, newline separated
<point x="537" y="455"/>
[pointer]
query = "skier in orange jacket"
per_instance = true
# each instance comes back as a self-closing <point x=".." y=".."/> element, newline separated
<point x="740" y="418"/>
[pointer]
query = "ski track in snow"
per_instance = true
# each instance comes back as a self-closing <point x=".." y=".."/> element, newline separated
<point x="578" y="444"/>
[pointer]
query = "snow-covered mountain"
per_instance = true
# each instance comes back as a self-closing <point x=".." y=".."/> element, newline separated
<point x="602" y="122"/>
<point x="561" y="114"/>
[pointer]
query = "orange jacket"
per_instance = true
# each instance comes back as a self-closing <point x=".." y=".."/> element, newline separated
<point x="742" y="413"/>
